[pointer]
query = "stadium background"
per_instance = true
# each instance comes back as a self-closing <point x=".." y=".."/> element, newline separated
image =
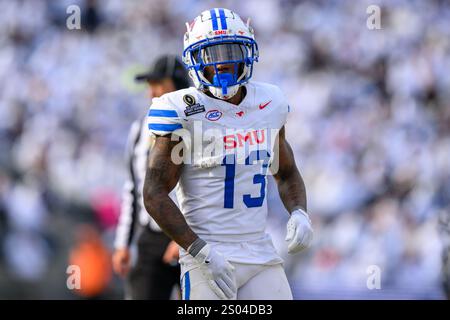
<point x="369" y="125"/>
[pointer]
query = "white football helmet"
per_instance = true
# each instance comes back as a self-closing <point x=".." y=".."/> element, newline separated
<point x="219" y="37"/>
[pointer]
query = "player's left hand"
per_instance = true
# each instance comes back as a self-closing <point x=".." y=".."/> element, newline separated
<point x="299" y="231"/>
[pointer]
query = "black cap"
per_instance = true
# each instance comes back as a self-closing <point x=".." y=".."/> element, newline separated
<point x="167" y="66"/>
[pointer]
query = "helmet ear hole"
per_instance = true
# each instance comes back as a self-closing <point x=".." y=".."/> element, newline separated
<point x="240" y="69"/>
<point x="195" y="55"/>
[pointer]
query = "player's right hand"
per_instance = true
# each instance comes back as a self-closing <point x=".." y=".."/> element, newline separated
<point x="121" y="261"/>
<point x="218" y="272"/>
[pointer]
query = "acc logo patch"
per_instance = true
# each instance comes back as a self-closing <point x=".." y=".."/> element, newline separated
<point x="213" y="115"/>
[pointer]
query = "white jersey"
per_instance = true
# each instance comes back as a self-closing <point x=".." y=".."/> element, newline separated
<point x="227" y="152"/>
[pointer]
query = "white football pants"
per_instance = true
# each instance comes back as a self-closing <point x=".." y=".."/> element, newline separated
<point x="254" y="282"/>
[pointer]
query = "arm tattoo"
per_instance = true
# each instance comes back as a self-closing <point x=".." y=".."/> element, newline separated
<point x="161" y="177"/>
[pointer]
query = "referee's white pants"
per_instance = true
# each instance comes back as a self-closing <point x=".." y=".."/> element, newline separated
<point x="254" y="282"/>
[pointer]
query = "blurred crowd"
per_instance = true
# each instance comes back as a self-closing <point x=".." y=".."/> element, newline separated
<point x="369" y="126"/>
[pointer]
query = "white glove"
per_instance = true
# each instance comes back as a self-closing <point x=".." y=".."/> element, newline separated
<point x="299" y="231"/>
<point x="218" y="272"/>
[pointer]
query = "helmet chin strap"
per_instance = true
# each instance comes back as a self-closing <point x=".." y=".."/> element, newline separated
<point x="222" y="80"/>
<point x="218" y="92"/>
<point x="220" y="88"/>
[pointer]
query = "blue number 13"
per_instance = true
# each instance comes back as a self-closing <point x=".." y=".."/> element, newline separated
<point x="230" y="171"/>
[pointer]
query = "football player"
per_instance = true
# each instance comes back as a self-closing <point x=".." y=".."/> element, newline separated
<point x="220" y="226"/>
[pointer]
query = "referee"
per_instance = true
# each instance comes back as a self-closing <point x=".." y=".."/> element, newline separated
<point x="156" y="270"/>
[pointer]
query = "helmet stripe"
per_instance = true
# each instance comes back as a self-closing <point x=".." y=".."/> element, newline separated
<point x="223" y="20"/>
<point x="214" y="19"/>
